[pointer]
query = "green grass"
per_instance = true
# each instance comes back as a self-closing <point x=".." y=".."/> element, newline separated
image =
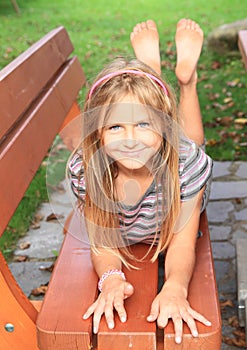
<point x="99" y="30"/>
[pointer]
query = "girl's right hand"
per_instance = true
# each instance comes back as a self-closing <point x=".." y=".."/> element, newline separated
<point x="114" y="291"/>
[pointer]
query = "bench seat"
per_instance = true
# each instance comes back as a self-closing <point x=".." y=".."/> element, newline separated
<point x="73" y="287"/>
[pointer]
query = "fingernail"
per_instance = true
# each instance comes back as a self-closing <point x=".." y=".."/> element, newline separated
<point x="123" y="319"/>
<point x="208" y="323"/>
<point x="195" y="334"/>
<point x="95" y="330"/>
<point x="110" y="325"/>
<point x="178" y="340"/>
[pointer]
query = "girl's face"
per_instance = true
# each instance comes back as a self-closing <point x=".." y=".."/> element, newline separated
<point x="129" y="136"/>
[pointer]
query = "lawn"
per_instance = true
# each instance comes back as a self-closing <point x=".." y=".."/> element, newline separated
<point x="99" y="30"/>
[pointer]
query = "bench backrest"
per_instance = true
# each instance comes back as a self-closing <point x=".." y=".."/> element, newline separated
<point x="36" y="93"/>
<point x="37" y="90"/>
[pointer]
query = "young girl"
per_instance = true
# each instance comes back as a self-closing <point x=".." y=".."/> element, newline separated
<point x="139" y="179"/>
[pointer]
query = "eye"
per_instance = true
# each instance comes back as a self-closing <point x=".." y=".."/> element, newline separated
<point x="143" y="125"/>
<point x="114" y="128"/>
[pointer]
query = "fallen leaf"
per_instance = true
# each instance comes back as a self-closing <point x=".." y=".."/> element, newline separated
<point x="41" y="290"/>
<point x="24" y="245"/>
<point x="47" y="268"/>
<point x="54" y="216"/>
<point x="225" y="303"/>
<point x="241" y="121"/>
<point x="20" y="258"/>
<point x="225" y="121"/>
<point x="215" y="65"/>
<point x="233" y="83"/>
<point x="233" y="321"/>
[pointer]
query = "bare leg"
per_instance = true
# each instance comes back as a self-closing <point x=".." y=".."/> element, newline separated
<point x="145" y="42"/>
<point x="189" y="40"/>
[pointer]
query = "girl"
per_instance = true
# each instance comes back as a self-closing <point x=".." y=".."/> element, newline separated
<point x="139" y="179"/>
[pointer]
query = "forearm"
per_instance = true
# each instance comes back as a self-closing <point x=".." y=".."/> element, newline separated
<point x="105" y="261"/>
<point x="179" y="267"/>
<point x="180" y="257"/>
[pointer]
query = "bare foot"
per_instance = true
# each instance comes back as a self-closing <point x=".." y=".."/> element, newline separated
<point x="145" y="42"/>
<point x="189" y="40"/>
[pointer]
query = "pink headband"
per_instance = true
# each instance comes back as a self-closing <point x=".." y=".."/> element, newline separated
<point x="131" y="71"/>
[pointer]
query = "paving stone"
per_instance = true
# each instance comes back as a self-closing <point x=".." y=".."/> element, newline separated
<point x="219" y="211"/>
<point x="242" y="170"/>
<point x="241" y="215"/>
<point x="221" y="269"/>
<point x="219" y="233"/>
<point x="228" y="190"/>
<point x="29" y="276"/>
<point x="221" y="169"/>
<point x="238" y="234"/>
<point x="223" y="250"/>
<point x="43" y="242"/>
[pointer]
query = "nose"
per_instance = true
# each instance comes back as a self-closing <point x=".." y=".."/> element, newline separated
<point x="130" y="139"/>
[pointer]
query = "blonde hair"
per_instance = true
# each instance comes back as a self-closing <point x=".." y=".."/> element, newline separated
<point x="99" y="207"/>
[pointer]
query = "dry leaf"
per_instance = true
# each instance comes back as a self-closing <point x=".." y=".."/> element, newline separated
<point x="47" y="268"/>
<point x="233" y="321"/>
<point x="54" y="216"/>
<point x="20" y="258"/>
<point x="41" y="290"/>
<point x="242" y="121"/>
<point x="24" y="245"/>
<point x="215" y="65"/>
<point x="225" y="303"/>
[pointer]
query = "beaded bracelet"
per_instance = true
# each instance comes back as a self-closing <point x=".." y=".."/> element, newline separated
<point x="109" y="273"/>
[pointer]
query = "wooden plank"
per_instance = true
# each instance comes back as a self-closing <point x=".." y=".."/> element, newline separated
<point x="73" y="287"/>
<point x="17" y="311"/>
<point x="22" y="80"/>
<point x="24" y="148"/>
<point x="242" y="44"/>
<point x="203" y="297"/>
<point x="136" y="333"/>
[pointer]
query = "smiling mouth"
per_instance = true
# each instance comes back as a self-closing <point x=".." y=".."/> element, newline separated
<point x="135" y="153"/>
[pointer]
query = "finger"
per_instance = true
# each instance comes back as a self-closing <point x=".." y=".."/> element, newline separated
<point x="200" y="318"/>
<point x="118" y="305"/>
<point x="191" y="323"/>
<point x="96" y="321"/>
<point x="128" y="290"/>
<point x="154" y="312"/>
<point x="109" y="314"/>
<point x="178" y="326"/>
<point x="89" y="311"/>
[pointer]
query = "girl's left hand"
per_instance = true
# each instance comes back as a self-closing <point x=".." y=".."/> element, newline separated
<point x="171" y="303"/>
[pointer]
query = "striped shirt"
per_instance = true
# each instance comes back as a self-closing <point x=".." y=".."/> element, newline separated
<point x="141" y="221"/>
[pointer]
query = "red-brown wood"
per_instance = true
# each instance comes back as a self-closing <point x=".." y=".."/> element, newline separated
<point x="136" y="333"/>
<point x="203" y="297"/>
<point x="23" y="79"/>
<point x="25" y="147"/>
<point x="242" y="44"/>
<point x="37" y="90"/>
<point x="72" y="289"/>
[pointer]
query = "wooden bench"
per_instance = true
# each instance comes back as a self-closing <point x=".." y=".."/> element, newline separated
<point x="37" y="92"/>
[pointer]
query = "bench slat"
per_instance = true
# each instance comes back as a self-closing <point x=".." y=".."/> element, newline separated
<point x="136" y="333"/>
<point x="17" y="310"/>
<point x="21" y="81"/>
<point x="203" y="296"/>
<point x="23" y="150"/>
<point x="73" y="287"/>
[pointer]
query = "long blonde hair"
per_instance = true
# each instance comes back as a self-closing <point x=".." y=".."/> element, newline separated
<point x="99" y="207"/>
